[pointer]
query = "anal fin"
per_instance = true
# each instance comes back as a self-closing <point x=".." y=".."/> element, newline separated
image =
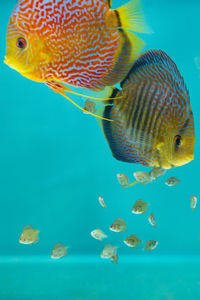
<point x="61" y="89"/>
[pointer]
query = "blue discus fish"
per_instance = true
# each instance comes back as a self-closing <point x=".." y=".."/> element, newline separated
<point x="153" y="122"/>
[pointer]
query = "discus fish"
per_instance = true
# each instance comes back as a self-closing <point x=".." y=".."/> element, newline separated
<point x="114" y="259"/>
<point x="145" y="178"/>
<point x="153" y="122"/>
<point x="132" y="241"/>
<point x="29" y="235"/>
<point x="142" y="177"/>
<point x="89" y="107"/>
<point x="140" y="207"/>
<point x="102" y="202"/>
<point x="79" y="43"/>
<point x="193" y="202"/>
<point x="118" y="226"/>
<point x="152" y="220"/>
<point x="59" y="251"/>
<point x="150" y="245"/>
<point x="98" y="234"/>
<point x="156" y="172"/>
<point x="172" y="181"/>
<point x="123" y="180"/>
<point x="109" y="251"/>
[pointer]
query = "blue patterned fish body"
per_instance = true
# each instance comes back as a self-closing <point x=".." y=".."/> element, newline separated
<point x="153" y="122"/>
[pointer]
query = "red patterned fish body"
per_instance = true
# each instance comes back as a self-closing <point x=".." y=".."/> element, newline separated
<point x="74" y="42"/>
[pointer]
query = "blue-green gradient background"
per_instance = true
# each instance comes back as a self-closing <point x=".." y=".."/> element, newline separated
<point x="55" y="162"/>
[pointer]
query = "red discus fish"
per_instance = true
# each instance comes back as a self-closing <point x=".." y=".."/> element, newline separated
<point x="80" y="43"/>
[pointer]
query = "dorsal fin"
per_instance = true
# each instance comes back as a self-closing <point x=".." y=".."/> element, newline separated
<point x="159" y="59"/>
<point x="27" y="227"/>
<point x="109" y="3"/>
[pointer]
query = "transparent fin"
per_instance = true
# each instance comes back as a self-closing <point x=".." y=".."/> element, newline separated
<point x="100" y="113"/>
<point x="27" y="227"/>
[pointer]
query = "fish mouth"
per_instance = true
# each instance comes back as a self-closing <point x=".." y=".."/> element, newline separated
<point x="179" y="163"/>
<point x="27" y="70"/>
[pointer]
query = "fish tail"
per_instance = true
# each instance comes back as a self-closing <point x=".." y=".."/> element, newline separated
<point x="130" y="17"/>
<point x="127" y="19"/>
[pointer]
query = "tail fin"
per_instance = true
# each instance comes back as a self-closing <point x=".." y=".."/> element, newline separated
<point x="131" y="17"/>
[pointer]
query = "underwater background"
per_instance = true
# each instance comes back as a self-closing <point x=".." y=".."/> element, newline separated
<point x="55" y="163"/>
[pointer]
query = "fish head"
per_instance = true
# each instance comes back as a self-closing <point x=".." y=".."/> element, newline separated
<point x="177" y="146"/>
<point x="26" y="49"/>
<point x="183" y="151"/>
<point x="54" y="254"/>
<point x="25" y="239"/>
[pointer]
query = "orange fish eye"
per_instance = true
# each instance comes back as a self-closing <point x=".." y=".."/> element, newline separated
<point x="21" y="43"/>
<point x="177" y="140"/>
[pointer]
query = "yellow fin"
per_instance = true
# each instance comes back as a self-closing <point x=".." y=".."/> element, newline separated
<point x="58" y="89"/>
<point x="66" y="89"/>
<point x="63" y="94"/>
<point x="100" y="113"/>
<point x="131" y="17"/>
<point x="131" y="184"/>
<point x="137" y="45"/>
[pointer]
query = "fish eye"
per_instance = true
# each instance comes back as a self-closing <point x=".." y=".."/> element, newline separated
<point x="177" y="140"/>
<point x="21" y="43"/>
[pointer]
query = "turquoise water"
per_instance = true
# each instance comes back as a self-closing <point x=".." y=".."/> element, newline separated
<point x="55" y="163"/>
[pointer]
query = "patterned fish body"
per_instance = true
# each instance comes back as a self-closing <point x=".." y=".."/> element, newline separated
<point x="193" y="202"/>
<point x="102" y="202"/>
<point x="114" y="259"/>
<point x="123" y="180"/>
<point x="153" y="122"/>
<point x="98" y="234"/>
<point x="142" y="177"/>
<point x="172" y="181"/>
<point x="140" y="207"/>
<point x="29" y="235"/>
<point x="109" y="251"/>
<point x="152" y="220"/>
<point x="156" y="172"/>
<point x="59" y="251"/>
<point x="151" y="245"/>
<point x="119" y="225"/>
<point x="132" y="241"/>
<point x="73" y="42"/>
